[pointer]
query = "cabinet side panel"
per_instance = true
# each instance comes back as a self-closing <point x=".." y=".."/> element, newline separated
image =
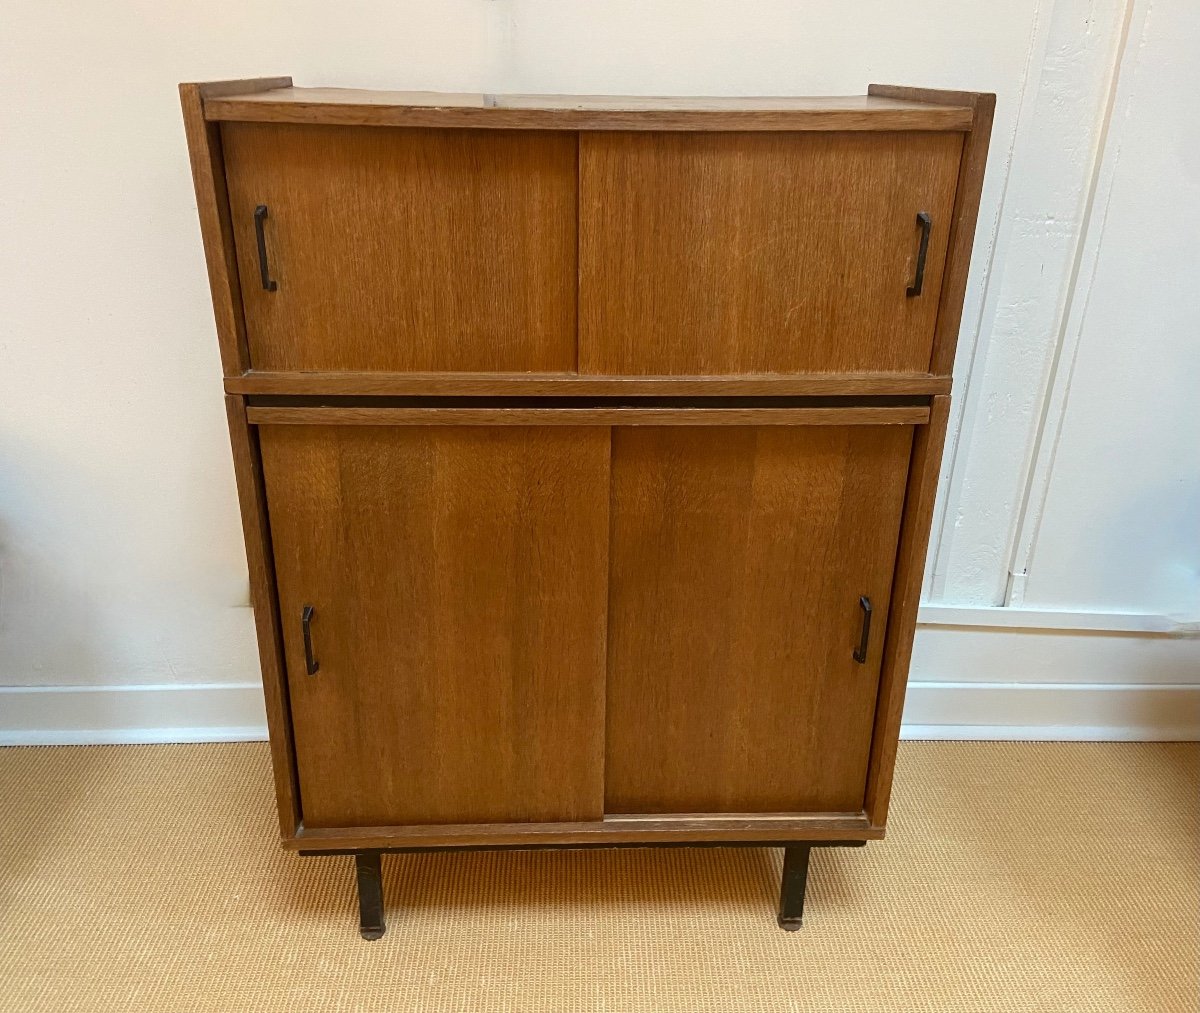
<point x="247" y="466"/>
<point x="212" y="205"/>
<point x="966" y="206"/>
<point x="962" y="236"/>
<point x="906" y="597"/>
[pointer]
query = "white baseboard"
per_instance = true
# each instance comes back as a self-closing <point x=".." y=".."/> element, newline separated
<point x="1025" y="674"/>
<point x="93" y="715"/>
<point x="1066" y="712"/>
<point x="968" y="682"/>
<point x="1056" y="619"/>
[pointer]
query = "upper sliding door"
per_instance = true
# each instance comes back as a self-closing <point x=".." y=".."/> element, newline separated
<point x="376" y="248"/>
<point x="762" y="252"/>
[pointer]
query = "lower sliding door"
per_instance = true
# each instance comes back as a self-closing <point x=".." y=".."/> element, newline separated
<point x="547" y="623"/>
<point x="442" y="590"/>
<point x="750" y="570"/>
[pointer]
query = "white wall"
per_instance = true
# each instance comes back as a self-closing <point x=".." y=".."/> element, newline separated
<point x="1076" y="481"/>
<point x="120" y="553"/>
<point x="1114" y="516"/>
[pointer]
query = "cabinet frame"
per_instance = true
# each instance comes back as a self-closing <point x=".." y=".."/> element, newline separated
<point x="205" y="106"/>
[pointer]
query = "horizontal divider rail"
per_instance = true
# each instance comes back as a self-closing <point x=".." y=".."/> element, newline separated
<point x="588" y="416"/>
<point x="439" y="401"/>
<point x="360" y="384"/>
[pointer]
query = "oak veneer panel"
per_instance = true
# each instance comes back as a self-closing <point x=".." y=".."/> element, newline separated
<point x="850" y="416"/>
<point x="459" y="581"/>
<point x="204" y="149"/>
<point x="966" y="206"/>
<point x="216" y="228"/>
<point x="566" y="384"/>
<point x="406" y="250"/>
<point x="354" y="107"/>
<point x="737" y="558"/>
<point x="906" y="597"/>
<point x="735" y="253"/>
<point x="247" y="470"/>
<point x="612" y="830"/>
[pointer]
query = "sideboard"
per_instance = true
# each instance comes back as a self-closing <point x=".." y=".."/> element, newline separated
<point x="587" y="450"/>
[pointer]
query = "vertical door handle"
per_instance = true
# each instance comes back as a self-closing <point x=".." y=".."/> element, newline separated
<point x="864" y="638"/>
<point x="926" y="224"/>
<point x="310" y="663"/>
<point x="260" y="216"/>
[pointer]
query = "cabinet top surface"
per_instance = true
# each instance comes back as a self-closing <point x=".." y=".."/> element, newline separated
<point x="350" y="106"/>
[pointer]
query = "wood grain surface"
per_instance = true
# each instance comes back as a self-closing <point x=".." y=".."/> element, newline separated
<point x="906" y="598"/>
<point x="216" y="228"/>
<point x="625" y="416"/>
<point x="406" y="249"/>
<point x="458" y="577"/>
<point x="728" y="253"/>
<point x="737" y="560"/>
<point x="348" y="384"/>
<point x="604" y="621"/>
<point x="356" y="107"/>
<point x="264" y="599"/>
<point x="612" y="830"/>
<point x="966" y="206"/>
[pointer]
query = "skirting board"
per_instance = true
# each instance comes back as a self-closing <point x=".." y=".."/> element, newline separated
<point x="968" y="682"/>
<point x="94" y="715"/>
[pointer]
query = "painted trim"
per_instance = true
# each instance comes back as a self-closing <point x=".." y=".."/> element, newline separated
<point x="1105" y="157"/>
<point x="957" y="654"/>
<point x="979" y="308"/>
<point x="1008" y="365"/>
<point x="1056" y="733"/>
<point x="1052" y="712"/>
<point x="1055" y="619"/>
<point x="96" y="715"/>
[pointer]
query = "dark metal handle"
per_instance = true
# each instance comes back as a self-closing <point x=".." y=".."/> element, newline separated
<point x="926" y="224"/>
<point x="864" y="638"/>
<point x="310" y="663"/>
<point x="260" y="216"/>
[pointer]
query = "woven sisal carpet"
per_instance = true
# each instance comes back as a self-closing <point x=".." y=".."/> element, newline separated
<point x="1058" y="877"/>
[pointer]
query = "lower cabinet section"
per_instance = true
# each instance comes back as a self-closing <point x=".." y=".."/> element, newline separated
<point x="550" y="623"/>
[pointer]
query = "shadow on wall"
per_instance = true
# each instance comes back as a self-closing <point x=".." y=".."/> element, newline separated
<point x="1156" y="571"/>
<point x="106" y="583"/>
<point x="48" y="623"/>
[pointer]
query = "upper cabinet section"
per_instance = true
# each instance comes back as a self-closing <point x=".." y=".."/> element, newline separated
<point x="709" y="253"/>
<point x="366" y="241"/>
<point x="404" y="249"/>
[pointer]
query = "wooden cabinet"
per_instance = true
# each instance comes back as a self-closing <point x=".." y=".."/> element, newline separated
<point x="586" y="451"/>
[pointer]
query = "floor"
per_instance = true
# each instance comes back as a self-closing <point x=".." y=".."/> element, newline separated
<point x="1015" y="877"/>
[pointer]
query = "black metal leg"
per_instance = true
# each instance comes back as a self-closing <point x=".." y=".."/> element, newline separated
<point x="370" y="894"/>
<point x="791" y="888"/>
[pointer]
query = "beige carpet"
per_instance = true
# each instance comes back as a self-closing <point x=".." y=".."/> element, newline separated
<point x="1016" y="877"/>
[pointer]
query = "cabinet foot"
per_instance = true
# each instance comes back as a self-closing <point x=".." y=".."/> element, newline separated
<point x="369" y="869"/>
<point x="792" y="886"/>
